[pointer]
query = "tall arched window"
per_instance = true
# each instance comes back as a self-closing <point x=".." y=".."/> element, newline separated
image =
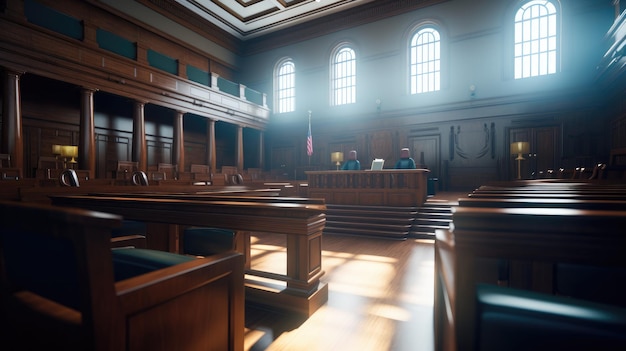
<point x="343" y="76"/>
<point x="536" y="39"/>
<point x="425" y="58"/>
<point x="285" y="86"/>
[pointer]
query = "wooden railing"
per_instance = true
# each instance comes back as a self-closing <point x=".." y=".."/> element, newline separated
<point x="394" y="187"/>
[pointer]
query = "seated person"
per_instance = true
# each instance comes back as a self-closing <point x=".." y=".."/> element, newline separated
<point x="352" y="164"/>
<point x="405" y="161"/>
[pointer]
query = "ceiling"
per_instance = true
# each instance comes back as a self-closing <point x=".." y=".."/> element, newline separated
<point x="247" y="19"/>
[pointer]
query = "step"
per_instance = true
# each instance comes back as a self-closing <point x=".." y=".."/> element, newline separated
<point x="364" y="232"/>
<point x="331" y="217"/>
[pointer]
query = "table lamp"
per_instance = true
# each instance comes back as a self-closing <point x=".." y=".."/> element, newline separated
<point x="337" y="158"/>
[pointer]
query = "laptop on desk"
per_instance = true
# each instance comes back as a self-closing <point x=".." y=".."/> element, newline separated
<point x="377" y="164"/>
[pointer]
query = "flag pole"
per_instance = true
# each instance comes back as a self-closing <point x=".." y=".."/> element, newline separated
<point x="309" y="140"/>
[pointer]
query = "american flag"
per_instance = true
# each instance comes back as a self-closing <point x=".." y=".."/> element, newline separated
<point x="309" y="141"/>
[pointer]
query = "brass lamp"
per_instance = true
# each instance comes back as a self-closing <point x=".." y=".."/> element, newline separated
<point x="520" y="148"/>
<point x="69" y="151"/>
<point x="337" y="158"/>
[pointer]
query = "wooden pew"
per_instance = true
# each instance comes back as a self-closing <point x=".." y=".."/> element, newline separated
<point x="195" y="305"/>
<point x="533" y="232"/>
<point x="42" y="194"/>
<point x="542" y="236"/>
<point x="301" y="220"/>
<point x="9" y="189"/>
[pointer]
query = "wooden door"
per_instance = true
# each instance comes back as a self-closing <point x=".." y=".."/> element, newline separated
<point x="429" y="146"/>
<point x="544" y="154"/>
<point x="283" y="162"/>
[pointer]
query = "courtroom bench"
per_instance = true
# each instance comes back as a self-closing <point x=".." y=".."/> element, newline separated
<point x="543" y="237"/>
<point x="42" y="194"/>
<point x="59" y="288"/>
<point x="300" y="220"/>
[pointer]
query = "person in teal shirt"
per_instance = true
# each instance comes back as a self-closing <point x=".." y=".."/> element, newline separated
<point x="352" y="164"/>
<point x="405" y="161"/>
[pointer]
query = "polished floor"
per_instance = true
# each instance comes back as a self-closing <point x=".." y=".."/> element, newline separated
<point x="380" y="297"/>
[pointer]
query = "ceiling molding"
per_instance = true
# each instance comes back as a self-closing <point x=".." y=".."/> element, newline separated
<point x="352" y="17"/>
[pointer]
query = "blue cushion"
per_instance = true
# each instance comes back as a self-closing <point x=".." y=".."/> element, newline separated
<point x="206" y="241"/>
<point x="129" y="262"/>
<point x="511" y="319"/>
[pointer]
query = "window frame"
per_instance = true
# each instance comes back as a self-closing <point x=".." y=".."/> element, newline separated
<point x="513" y="57"/>
<point x="278" y="89"/>
<point x="352" y="88"/>
<point x="412" y="35"/>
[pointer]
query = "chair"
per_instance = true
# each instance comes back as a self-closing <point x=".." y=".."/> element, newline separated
<point x="201" y="173"/>
<point x="47" y="168"/>
<point x="5" y="161"/>
<point x="62" y="287"/>
<point x="168" y="170"/>
<point x="158" y="176"/>
<point x="125" y="169"/>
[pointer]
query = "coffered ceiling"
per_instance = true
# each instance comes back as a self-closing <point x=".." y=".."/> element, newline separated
<point x="252" y="18"/>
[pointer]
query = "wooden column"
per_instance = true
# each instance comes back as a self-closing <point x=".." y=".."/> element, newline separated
<point x="240" y="148"/>
<point x="261" y="150"/>
<point x="139" y="137"/>
<point x="211" y="156"/>
<point x="12" y="135"/>
<point x="87" y="141"/>
<point x="178" y="153"/>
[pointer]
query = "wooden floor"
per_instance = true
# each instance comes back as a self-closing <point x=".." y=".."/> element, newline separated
<point x="380" y="297"/>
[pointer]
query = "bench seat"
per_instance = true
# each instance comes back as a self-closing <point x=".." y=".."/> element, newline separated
<point x="513" y="319"/>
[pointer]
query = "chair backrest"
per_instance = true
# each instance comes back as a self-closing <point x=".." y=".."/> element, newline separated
<point x="204" y="169"/>
<point x="5" y="161"/>
<point x="51" y="262"/>
<point x="169" y="170"/>
<point x="47" y="162"/>
<point x="231" y="170"/>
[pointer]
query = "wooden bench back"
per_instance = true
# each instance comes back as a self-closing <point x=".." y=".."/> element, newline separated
<point x="199" y="303"/>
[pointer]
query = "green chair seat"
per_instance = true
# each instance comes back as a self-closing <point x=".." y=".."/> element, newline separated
<point x="129" y="262"/>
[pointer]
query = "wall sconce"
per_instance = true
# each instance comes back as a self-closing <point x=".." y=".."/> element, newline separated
<point x="472" y="90"/>
<point x="520" y="148"/>
<point x="69" y="151"/>
<point x="337" y="158"/>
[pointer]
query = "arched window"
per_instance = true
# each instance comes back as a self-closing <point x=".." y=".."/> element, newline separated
<point x="425" y="61"/>
<point x="536" y="39"/>
<point x="343" y="76"/>
<point x="285" y="86"/>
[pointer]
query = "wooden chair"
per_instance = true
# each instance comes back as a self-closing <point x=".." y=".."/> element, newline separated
<point x="8" y="173"/>
<point x="125" y="169"/>
<point x="201" y="173"/>
<point x="5" y="161"/>
<point x="58" y="288"/>
<point x="168" y="170"/>
<point x="47" y="167"/>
